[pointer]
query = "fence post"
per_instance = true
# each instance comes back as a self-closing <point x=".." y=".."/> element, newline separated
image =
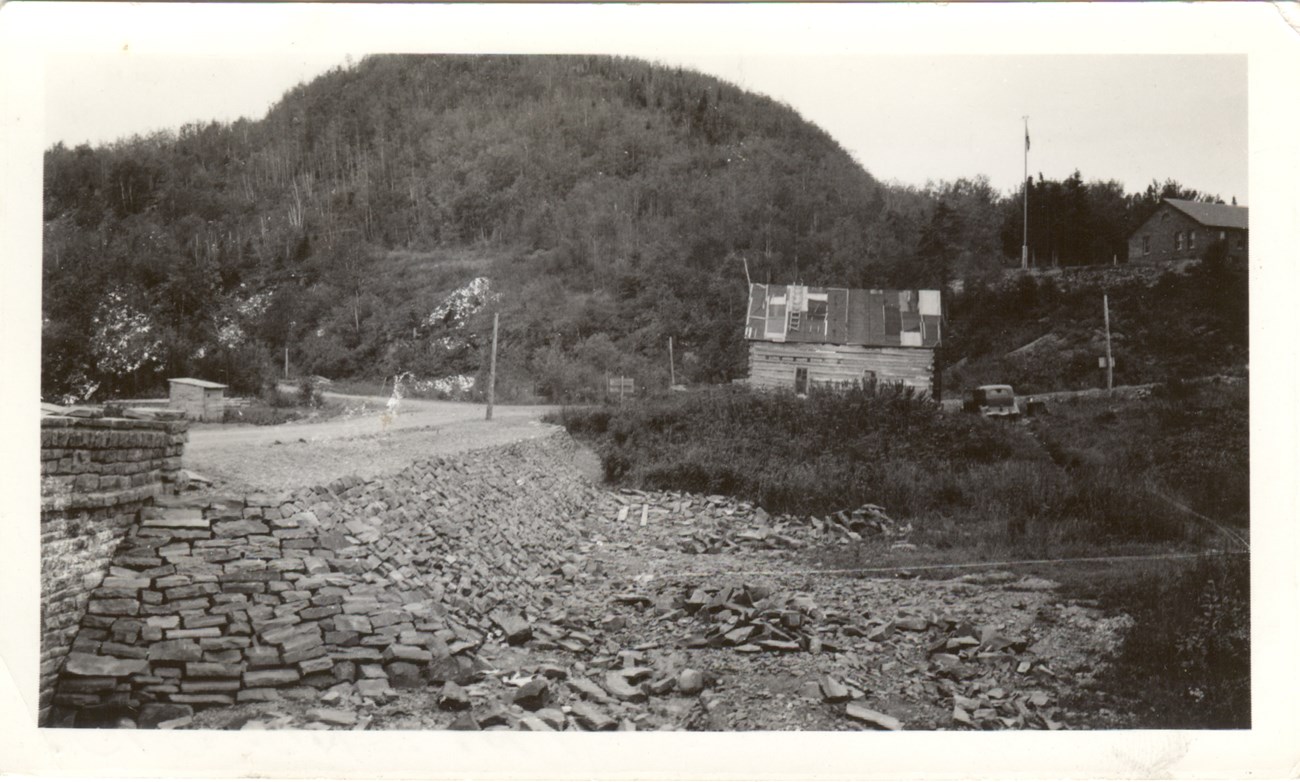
<point x="492" y="367"/>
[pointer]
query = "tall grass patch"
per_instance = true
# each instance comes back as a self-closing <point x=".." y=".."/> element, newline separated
<point x="1100" y="470"/>
<point x="1185" y="663"/>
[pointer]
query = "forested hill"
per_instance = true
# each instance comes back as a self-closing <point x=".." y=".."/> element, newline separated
<point x="377" y="217"/>
<point x="608" y="202"/>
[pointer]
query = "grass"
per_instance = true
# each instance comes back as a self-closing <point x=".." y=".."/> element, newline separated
<point x="1090" y="471"/>
<point x="1186" y="661"/>
<point x="277" y="406"/>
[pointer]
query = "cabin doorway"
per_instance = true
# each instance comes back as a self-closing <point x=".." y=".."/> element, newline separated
<point x="801" y="381"/>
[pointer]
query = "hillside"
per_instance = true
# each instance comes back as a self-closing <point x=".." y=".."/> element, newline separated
<point x="375" y="218"/>
<point x="610" y="203"/>
<point x="1046" y="334"/>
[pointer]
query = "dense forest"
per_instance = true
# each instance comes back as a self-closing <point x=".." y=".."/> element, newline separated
<point x="373" y="221"/>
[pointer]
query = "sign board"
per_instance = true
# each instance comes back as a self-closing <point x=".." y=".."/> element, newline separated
<point x="622" y="385"/>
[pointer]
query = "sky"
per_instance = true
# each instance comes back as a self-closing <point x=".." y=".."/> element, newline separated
<point x="910" y="107"/>
<point x="909" y="119"/>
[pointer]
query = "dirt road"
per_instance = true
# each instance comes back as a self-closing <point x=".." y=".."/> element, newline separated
<point x="366" y="441"/>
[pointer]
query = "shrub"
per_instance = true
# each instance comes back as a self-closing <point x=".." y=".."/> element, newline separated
<point x="1188" y="651"/>
<point x="1090" y="471"/>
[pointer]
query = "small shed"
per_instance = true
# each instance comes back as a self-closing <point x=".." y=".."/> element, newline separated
<point x="200" y="400"/>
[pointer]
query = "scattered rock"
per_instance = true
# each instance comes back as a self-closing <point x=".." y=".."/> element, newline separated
<point x="591" y="717"/>
<point x="453" y="698"/>
<point x="532" y="696"/>
<point x="858" y="710"/>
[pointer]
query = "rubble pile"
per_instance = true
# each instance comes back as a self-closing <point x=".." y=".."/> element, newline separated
<point x="712" y="524"/>
<point x="382" y="584"/>
<point x="982" y="674"/>
<point x="500" y="591"/>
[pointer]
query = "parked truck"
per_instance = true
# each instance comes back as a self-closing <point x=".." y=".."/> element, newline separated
<point x="995" y="401"/>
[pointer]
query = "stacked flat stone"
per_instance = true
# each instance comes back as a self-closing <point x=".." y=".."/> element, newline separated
<point x="391" y="582"/>
<point x="96" y="475"/>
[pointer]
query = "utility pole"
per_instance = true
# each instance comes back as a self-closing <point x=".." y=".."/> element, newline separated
<point x="492" y="367"/>
<point x="672" y="373"/>
<point x="1110" y="363"/>
<point x="1024" y="247"/>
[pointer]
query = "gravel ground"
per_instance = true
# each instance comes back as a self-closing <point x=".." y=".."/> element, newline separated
<point x="365" y="442"/>
<point x="1067" y="643"/>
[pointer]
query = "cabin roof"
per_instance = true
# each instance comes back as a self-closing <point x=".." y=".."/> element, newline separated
<point x="844" y="316"/>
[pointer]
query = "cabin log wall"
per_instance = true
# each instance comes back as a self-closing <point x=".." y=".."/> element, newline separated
<point x="773" y="364"/>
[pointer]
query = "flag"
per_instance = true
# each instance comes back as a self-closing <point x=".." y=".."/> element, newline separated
<point x="1026" y="138"/>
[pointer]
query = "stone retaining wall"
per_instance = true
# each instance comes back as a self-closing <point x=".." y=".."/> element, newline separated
<point x="96" y="475"/>
<point x="390" y="582"/>
<point x="1072" y="278"/>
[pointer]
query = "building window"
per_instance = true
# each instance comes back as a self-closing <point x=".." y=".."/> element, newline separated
<point x="1191" y="240"/>
<point x="1241" y="242"/>
<point x="1178" y="241"/>
<point x="801" y="381"/>
<point x="1146" y="245"/>
<point x="1223" y="234"/>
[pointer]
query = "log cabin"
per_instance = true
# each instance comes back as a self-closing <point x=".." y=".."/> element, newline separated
<point x="801" y="336"/>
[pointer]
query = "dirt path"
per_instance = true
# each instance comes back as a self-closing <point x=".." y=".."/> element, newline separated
<point x="365" y="442"/>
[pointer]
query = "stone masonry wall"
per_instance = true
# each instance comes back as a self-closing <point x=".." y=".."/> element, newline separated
<point x="390" y="582"/>
<point x="1072" y="278"/>
<point x="96" y="475"/>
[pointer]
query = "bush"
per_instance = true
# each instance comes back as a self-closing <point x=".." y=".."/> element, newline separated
<point x="1091" y="471"/>
<point x="311" y="391"/>
<point x="1188" y="651"/>
<point x="833" y="450"/>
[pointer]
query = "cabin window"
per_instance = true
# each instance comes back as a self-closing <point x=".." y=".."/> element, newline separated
<point x="801" y="381"/>
<point x="1223" y="234"/>
<point x="1241" y="242"/>
<point x="1178" y="240"/>
<point x="1146" y="245"/>
<point x="1191" y="240"/>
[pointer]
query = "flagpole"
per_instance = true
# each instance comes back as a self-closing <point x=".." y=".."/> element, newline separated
<point x="1024" y="247"/>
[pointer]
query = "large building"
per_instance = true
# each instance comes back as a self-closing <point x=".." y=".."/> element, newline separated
<point x="1184" y="230"/>
<point x="801" y="336"/>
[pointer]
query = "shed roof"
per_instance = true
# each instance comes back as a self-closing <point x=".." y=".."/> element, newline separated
<point x="844" y="316"/>
<point x="190" y="381"/>
<point x="1212" y="215"/>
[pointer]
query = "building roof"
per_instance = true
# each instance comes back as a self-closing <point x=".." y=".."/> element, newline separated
<point x="1212" y="215"/>
<point x="189" y="381"/>
<point x="843" y="316"/>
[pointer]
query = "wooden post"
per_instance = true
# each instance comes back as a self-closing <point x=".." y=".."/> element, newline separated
<point x="748" y="283"/>
<point x="492" y="367"/>
<point x="672" y="373"/>
<point x="1110" y="363"/>
<point x="1024" y="247"/>
<point x="286" y="362"/>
